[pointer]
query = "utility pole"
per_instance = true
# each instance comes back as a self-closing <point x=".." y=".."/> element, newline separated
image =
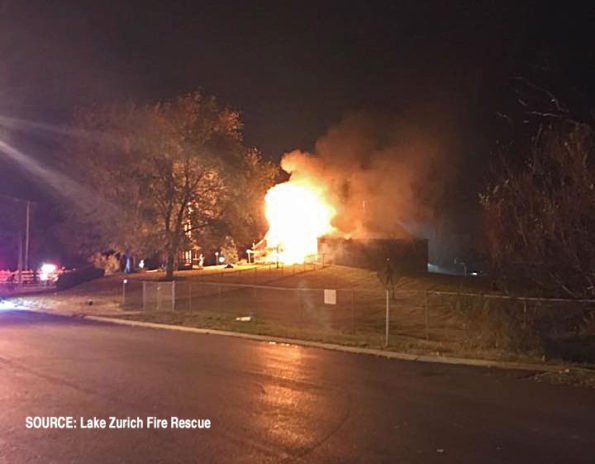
<point x="27" y="228"/>
<point x="387" y="324"/>
<point x="20" y="261"/>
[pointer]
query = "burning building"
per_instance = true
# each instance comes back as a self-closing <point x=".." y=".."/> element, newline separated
<point x="406" y="254"/>
<point x="349" y="200"/>
<point x="301" y="229"/>
<point x="298" y="213"/>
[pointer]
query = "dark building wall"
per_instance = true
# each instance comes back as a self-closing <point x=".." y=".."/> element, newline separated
<point x="405" y="255"/>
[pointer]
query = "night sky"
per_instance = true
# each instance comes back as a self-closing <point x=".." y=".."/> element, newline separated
<point x="294" y="69"/>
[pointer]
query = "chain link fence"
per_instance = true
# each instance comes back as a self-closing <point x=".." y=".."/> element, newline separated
<point x="370" y="316"/>
<point x="260" y="274"/>
<point x="553" y="326"/>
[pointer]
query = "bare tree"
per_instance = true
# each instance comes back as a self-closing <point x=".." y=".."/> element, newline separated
<point x="540" y="218"/>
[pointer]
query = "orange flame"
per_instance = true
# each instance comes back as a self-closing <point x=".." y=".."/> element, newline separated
<point x="297" y="214"/>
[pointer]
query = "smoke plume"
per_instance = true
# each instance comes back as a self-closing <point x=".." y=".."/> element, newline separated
<point x="382" y="176"/>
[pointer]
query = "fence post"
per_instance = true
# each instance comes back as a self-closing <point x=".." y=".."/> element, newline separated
<point x="352" y="309"/>
<point x="426" y="316"/>
<point x="387" y="319"/>
<point x="189" y="296"/>
<point x="158" y="296"/>
<point x="144" y="295"/>
<point x="173" y="295"/>
<point x="124" y="282"/>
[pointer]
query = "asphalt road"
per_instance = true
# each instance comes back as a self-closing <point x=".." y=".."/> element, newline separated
<point x="269" y="402"/>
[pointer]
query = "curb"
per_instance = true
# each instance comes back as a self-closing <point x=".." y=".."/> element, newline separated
<point x="335" y="347"/>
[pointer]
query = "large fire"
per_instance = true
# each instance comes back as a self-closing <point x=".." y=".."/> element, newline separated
<point x="297" y="214"/>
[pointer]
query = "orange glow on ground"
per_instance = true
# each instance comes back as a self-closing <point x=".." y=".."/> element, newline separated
<point x="297" y="215"/>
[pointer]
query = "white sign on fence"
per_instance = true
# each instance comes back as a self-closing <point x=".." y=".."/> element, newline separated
<point x="330" y="296"/>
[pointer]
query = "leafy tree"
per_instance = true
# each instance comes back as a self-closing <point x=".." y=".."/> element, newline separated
<point x="157" y="170"/>
<point x="229" y="250"/>
<point x="114" y="211"/>
<point x="243" y="215"/>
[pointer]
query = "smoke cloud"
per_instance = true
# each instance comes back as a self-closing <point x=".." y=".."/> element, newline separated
<point x="384" y="177"/>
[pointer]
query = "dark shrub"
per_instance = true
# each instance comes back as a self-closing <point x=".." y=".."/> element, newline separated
<point x="78" y="276"/>
<point x="536" y="326"/>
